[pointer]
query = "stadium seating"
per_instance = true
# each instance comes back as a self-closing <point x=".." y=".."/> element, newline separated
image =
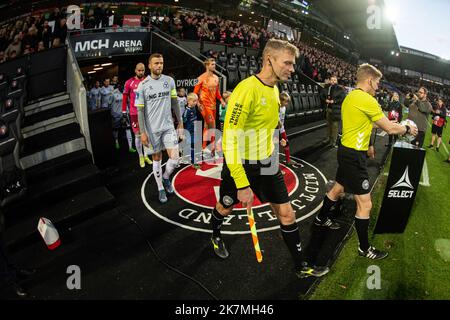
<point x="233" y="74"/>
<point x="304" y="99"/>
<point x="12" y="181"/>
<point x="222" y="59"/>
<point x="243" y="69"/>
<point x="295" y="97"/>
<point x="253" y="67"/>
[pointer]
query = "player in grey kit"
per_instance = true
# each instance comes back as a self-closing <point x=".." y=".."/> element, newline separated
<point x="154" y="95"/>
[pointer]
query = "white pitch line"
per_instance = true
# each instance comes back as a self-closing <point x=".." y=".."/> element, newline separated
<point x="425" y="176"/>
<point x="446" y="150"/>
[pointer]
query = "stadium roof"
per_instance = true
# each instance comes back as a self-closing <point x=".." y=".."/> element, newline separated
<point x="373" y="38"/>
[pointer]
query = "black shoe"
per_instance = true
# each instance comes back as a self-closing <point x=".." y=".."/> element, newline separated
<point x="25" y="273"/>
<point x="219" y="247"/>
<point x="168" y="186"/>
<point x="430" y="146"/>
<point x="18" y="290"/>
<point x="327" y="223"/>
<point x="448" y="160"/>
<point x="373" y="253"/>
<point x="311" y="271"/>
<point x="437" y="149"/>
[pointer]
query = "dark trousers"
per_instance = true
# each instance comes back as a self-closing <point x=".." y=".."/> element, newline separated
<point x="419" y="139"/>
<point x="392" y="138"/>
<point x="7" y="270"/>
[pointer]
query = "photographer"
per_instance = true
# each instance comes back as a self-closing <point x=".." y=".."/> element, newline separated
<point x="332" y="97"/>
<point x="419" y="110"/>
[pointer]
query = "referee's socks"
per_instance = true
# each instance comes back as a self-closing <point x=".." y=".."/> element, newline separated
<point x="326" y="208"/>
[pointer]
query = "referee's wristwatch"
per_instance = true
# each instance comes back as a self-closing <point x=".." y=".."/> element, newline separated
<point x="408" y="129"/>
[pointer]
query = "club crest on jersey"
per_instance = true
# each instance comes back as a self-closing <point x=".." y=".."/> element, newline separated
<point x="198" y="190"/>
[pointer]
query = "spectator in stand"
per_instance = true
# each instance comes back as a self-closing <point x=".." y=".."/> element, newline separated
<point x="61" y="30"/>
<point x="45" y="33"/>
<point x="40" y="46"/>
<point x="107" y="13"/>
<point x="15" y="46"/>
<point x="12" y="55"/>
<point x="165" y="25"/>
<point x="89" y="21"/>
<point x="98" y="15"/>
<point x="31" y="39"/>
<point x="56" y="43"/>
<point x="189" y="30"/>
<point x="56" y="15"/>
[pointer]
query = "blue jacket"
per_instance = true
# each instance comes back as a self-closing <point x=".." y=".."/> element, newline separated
<point x="189" y="118"/>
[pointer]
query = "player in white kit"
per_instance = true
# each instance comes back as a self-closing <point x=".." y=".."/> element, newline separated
<point x="155" y="97"/>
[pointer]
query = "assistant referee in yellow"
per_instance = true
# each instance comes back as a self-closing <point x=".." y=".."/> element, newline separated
<point x="249" y="158"/>
<point x="360" y="111"/>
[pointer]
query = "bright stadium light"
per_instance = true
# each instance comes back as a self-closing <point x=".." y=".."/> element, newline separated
<point x="397" y="54"/>
<point x="391" y="14"/>
<point x="392" y="53"/>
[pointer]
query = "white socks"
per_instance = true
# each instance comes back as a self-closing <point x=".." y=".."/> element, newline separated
<point x="128" y="132"/>
<point x="158" y="174"/>
<point x="138" y="143"/>
<point x="170" y="166"/>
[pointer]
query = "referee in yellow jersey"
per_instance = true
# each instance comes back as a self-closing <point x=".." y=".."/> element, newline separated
<point x="360" y="111"/>
<point x="249" y="167"/>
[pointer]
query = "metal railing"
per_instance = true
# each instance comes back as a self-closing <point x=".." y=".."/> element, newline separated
<point x="77" y="93"/>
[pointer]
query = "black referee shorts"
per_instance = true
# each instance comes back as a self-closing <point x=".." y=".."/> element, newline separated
<point x="352" y="170"/>
<point x="267" y="187"/>
<point x="437" y="130"/>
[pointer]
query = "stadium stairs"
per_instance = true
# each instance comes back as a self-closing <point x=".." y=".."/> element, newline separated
<point x="63" y="183"/>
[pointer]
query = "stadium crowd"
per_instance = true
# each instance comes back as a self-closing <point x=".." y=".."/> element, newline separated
<point x="32" y="34"/>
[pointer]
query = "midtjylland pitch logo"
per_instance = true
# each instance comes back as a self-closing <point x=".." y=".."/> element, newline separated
<point x="197" y="191"/>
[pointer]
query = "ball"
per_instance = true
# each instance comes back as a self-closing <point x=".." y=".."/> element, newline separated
<point x="410" y="123"/>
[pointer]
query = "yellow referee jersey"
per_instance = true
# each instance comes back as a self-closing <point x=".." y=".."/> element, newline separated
<point x="359" y="111"/>
<point x="250" y="121"/>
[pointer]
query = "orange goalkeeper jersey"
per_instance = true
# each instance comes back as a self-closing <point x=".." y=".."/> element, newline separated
<point x="207" y="89"/>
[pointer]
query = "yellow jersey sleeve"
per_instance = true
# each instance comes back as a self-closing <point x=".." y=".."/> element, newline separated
<point x="139" y="101"/>
<point x="372" y="109"/>
<point x="239" y="107"/>
<point x="173" y="89"/>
